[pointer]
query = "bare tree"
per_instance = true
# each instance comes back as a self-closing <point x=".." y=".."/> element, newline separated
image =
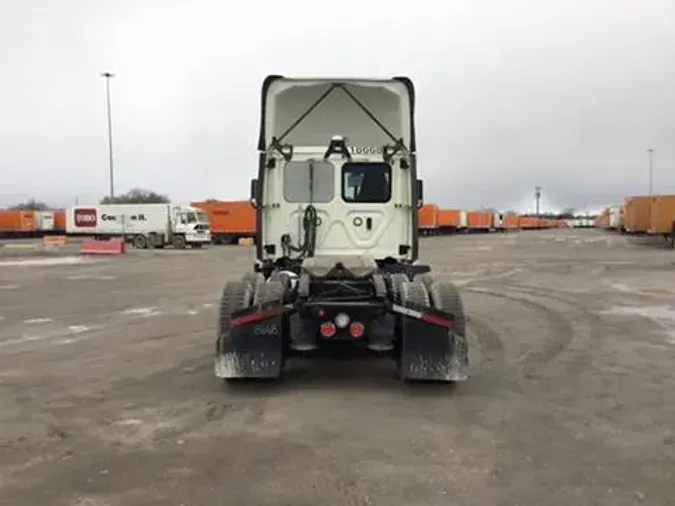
<point x="31" y="205"/>
<point x="137" y="196"/>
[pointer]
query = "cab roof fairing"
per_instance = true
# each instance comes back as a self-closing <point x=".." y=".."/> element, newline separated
<point x="397" y="90"/>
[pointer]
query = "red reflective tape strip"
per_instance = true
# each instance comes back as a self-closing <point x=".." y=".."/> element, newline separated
<point x="255" y="317"/>
<point x="247" y="318"/>
<point x="418" y="315"/>
<point x="441" y="322"/>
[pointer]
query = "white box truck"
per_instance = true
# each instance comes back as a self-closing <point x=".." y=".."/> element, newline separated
<point x="144" y="225"/>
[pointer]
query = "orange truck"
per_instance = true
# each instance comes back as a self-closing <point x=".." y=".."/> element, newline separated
<point x="60" y="221"/>
<point x="636" y="215"/>
<point x="17" y="223"/>
<point x="527" y="222"/>
<point x="479" y="221"/>
<point x="427" y="217"/>
<point x="511" y="221"/>
<point x="450" y="220"/>
<point x="27" y="223"/>
<point x="602" y="221"/>
<point x="662" y="215"/>
<point x="229" y="220"/>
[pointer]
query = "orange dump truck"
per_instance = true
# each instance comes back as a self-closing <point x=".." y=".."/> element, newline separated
<point x="17" y="223"/>
<point x="636" y="215"/>
<point x="479" y="221"/>
<point x="427" y="217"/>
<point x="450" y="220"/>
<point x="662" y="215"/>
<point x="229" y="221"/>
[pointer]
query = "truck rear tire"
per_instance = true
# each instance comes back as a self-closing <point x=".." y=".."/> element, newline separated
<point x="446" y="297"/>
<point x="236" y="295"/>
<point x="396" y="281"/>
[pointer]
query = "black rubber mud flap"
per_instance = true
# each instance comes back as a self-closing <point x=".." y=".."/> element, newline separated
<point x="427" y="346"/>
<point x="425" y="349"/>
<point x="254" y="346"/>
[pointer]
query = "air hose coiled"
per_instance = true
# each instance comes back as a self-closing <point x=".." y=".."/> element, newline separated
<point x="309" y="226"/>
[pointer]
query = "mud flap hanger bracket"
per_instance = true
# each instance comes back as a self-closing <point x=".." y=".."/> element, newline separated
<point x="336" y="146"/>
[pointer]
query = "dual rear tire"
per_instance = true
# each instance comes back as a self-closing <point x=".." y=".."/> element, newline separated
<point x="425" y="291"/>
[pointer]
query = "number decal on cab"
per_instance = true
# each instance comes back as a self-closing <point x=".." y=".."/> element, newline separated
<point x="365" y="150"/>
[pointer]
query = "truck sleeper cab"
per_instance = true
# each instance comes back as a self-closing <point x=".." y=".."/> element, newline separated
<point x="336" y="202"/>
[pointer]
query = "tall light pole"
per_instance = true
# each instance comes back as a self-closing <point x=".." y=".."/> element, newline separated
<point x="537" y="196"/>
<point x="651" y="172"/>
<point x="108" y="76"/>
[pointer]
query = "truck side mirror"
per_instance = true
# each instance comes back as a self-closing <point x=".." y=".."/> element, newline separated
<point x="419" y="193"/>
<point x="255" y="193"/>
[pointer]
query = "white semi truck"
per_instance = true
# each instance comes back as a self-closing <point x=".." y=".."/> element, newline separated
<point x="144" y="225"/>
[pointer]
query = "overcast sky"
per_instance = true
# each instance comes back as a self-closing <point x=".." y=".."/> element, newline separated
<point x="566" y="94"/>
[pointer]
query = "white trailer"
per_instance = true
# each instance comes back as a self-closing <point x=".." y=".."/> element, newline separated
<point x="615" y="222"/>
<point x="144" y="225"/>
<point x="462" y="219"/>
<point x="44" y="221"/>
<point x="498" y="222"/>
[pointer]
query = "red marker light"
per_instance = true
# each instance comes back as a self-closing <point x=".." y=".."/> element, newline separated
<point x="357" y="329"/>
<point x="327" y="329"/>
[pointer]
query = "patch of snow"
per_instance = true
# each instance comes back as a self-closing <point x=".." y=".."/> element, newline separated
<point x="78" y="329"/>
<point x="657" y="313"/>
<point x="81" y="277"/>
<point x="37" y="321"/>
<point x="43" y="262"/>
<point x="143" y="311"/>
<point x="663" y="316"/>
<point x="620" y="287"/>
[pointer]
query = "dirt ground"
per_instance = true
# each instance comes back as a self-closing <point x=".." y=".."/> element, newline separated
<point x="108" y="395"/>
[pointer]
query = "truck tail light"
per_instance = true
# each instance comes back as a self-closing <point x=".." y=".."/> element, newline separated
<point x="327" y="329"/>
<point x="357" y="329"/>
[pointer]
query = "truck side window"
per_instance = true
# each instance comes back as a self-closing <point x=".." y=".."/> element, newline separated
<point x="366" y="182"/>
<point x="297" y="182"/>
<point x="182" y="219"/>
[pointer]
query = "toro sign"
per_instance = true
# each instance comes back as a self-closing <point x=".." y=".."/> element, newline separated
<point x="84" y="217"/>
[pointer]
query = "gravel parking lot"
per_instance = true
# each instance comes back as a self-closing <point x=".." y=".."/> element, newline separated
<point x="109" y="398"/>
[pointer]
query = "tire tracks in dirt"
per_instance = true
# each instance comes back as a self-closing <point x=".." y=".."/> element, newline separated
<point x="587" y="323"/>
<point x="572" y="327"/>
